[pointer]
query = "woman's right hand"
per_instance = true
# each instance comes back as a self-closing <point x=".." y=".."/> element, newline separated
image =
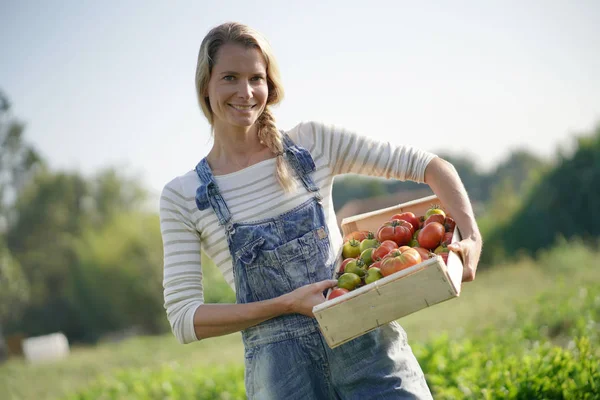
<point x="303" y="299"/>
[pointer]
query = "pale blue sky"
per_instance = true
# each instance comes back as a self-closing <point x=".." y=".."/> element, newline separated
<point x="112" y="83"/>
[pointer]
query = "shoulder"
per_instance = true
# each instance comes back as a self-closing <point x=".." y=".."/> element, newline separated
<point x="311" y="133"/>
<point x="182" y="187"/>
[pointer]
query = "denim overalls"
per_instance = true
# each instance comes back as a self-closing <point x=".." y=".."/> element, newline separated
<point x="286" y="357"/>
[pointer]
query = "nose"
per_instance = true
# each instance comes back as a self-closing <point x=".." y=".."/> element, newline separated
<point x="244" y="89"/>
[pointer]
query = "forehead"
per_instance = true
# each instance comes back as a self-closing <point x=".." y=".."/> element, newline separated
<point x="238" y="58"/>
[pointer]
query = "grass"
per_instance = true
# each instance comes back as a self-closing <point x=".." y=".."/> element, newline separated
<point x="491" y="301"/>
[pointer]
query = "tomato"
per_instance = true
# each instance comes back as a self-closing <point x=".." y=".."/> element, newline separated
<point x="402" y="249"/>
<point x="435" y="218"/>
<point x="367" y="256"/>
<point x="413" y="243"/>
<point x="444" y="257"/>
<point x="369" y="242"/>
<point x="356" y="235"/>
<point x="447" y="239"/>
<point x="431" y="235"/>
<point x="397" y="261"/>
<point x="343" y="266"/>
<point x="357" y="267"/>
<point x="449" y="224"/>
<point x="382" y="250"/>
<point x="337" y="292"/>
<point x="441" y="249"/>
<point x="408" y="217"/>
<point x="423" y="252"/>
<point x="376" y="264"/>
<point x="396" y="230"/>
<point x="421" y="221"/>
<point x="351" y="249"/>
<point x="435" y="209"/>
<point x="390" y="244"/>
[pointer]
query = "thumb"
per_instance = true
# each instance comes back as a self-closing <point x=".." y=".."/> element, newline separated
<point x="454" y="246"/>
<point x="327" y="283"/>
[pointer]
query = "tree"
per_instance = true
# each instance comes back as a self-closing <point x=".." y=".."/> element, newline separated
<point x="18" y="163"/>
<point x="14" y="292"/>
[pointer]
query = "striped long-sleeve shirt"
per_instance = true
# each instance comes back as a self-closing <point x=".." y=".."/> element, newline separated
<point x="254" y="194"/>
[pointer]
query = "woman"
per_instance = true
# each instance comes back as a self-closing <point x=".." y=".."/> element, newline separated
<point x="259" y="204"/>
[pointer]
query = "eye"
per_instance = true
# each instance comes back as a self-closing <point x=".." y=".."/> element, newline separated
<point x="257" y="78"/>
<point x="228" y="77"/>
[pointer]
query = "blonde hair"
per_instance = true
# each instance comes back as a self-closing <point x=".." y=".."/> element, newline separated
<point x="233" y="32"/>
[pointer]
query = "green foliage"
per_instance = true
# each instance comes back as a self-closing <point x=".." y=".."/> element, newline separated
<point x="14" y="288"/>
<point x="563" y="203"/>
<point x="117" y="280"/>
<point x="216" y="289"/>
<point x="171" y="381"/>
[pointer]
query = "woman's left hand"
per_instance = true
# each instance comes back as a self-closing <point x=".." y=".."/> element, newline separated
<point x="469" y="250"/>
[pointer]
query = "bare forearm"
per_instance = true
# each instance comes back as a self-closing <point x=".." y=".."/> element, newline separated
<point x="212" y="320"/>
<point x="446" y="184"/>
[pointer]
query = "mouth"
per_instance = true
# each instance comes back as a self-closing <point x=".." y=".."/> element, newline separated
<point x="241" y="107"/>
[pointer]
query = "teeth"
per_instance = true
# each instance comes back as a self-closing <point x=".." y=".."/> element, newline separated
<point x="241" y="107"/>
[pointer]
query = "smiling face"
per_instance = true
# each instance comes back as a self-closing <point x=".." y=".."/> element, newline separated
<point x="237" y="89"/>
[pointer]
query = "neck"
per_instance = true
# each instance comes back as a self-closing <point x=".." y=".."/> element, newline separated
<point x="236" y="148"/>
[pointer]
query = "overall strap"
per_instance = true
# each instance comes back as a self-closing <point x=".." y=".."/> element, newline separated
<point x="208" y="194"/>
<point x="302" y="162"/>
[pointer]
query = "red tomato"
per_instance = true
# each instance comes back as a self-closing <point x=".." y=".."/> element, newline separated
<point x="449" y="224"/>
<point x="435" y="218"/>
<point x="343" y="266"/>
<point x="408" y="217"/>
<point x="376" y="264"/>
<point x="390" y="244"/>
<point x="380" y="252"/>
<point x="402" y="249"/>
<point x="447" y="239"/>
<point x="397" y="261"/>
<point x="337" y="292"/>
<point x="356" y="235"/>
<point x="423" y="252"/>
<point x="396" y="230"/>
<point x="431" y="235"/>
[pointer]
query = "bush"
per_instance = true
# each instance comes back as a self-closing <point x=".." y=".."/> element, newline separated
<point x="172" y="381"/>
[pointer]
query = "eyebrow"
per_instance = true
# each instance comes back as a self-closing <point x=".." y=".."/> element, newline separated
<point x="237" y="73"/>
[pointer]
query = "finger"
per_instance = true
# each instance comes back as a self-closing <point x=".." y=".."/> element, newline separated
<point x="458" y="249"/>
<point x="327" y="283"/>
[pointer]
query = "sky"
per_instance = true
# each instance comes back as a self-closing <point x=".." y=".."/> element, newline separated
<point x="111" y="83"/>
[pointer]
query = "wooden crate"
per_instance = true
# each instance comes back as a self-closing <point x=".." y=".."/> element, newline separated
<point x="392" y="297"/>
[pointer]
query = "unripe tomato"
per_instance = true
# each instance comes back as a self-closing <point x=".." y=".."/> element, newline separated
<point x="344" y="263"/>
<point x="368" y="242"/>
<point x="435" y="209"/>
<point x="351" y="249"/>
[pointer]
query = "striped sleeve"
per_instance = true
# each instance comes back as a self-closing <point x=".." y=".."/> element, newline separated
<point x="352" y="153"/>
<point x="182" y="279"/>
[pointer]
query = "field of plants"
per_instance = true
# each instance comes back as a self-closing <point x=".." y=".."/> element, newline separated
<point x="528" y="330"/>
